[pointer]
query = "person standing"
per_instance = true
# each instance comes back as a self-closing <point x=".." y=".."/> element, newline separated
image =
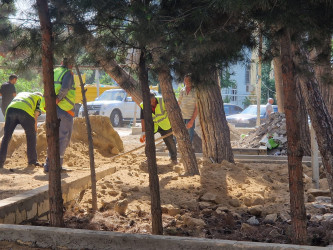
<point x="161" y="125"/>
<point x="65" y="100"/>
<point x="269" y="107"/>
<point x="8" y="92"/>
<point x="188" y="105"/>
<point x="23" y="109"/>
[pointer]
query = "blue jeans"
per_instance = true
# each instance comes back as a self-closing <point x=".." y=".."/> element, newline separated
<point x="65" y="133"/>
<point x="191" y="130"/>
<point x="13" y="118"/>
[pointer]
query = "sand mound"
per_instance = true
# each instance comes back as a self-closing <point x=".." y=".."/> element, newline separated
<point x="234" y="133"/>
<point x="106" y="140"/>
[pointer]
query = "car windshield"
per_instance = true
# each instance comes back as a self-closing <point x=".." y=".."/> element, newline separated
<point x="112" y="96"/>
<point x="252" y="110"/>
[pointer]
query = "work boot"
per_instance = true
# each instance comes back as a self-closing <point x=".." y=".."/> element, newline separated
<point x="36" y="164"/>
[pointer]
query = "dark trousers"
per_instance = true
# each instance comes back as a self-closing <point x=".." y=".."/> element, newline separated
<point x="169" y="142"/>
<point x="13" y="118"/>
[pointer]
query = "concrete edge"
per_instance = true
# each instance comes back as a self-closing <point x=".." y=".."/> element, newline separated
<point x="35" y="203"/>
<point x="50" y="237"/>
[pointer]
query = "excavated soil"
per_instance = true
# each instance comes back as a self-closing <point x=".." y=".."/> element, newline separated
<point x="227" y="201"/>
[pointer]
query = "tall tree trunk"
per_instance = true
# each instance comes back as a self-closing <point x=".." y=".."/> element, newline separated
<point x="177" y="122"/>
<point x="321" y="57"/>
<point x="278" y="83"/>
<point x="304" y="123"/>
<point x="295" y="151"/>
<point x="90" y="143"/>
<point x="215" y="130"/>
<point x="156" y="211"/>
<point x="52" y="122"/>
<point x="320" y="117"/>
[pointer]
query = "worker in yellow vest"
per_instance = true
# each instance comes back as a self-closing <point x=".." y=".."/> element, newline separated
<point x="24" y="110"/>
<point x="65" y="90"/>
<point x="161" y="125"/>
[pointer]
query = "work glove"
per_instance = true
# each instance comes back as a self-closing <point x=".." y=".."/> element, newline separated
<point x="143" y="137"/>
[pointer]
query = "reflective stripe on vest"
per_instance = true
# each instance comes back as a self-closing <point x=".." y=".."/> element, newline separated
<point x="25" y="101"/>
<point x="160" y="118"/>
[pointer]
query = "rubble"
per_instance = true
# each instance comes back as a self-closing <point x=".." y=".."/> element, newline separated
<point x="275" y="128"/>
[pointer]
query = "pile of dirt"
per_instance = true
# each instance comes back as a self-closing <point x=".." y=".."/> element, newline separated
<point x="275" y="127"/>
<point x="227" y="201"/>
<point x="106" y="140"/>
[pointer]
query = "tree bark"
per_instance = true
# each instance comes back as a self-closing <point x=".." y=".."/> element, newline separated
<point x="304" y="123"/>
<point x="321" y="57"/>
<point x="90" y="143"/>
<point x="52" y="122"/>
<point x="278" y="83"/>
<point x="295" y="150"/>
<point x="320" y="117"/>
<point x="215" y="130"/>
<point x="156" y="211"/>
<point x="177" y="122"/>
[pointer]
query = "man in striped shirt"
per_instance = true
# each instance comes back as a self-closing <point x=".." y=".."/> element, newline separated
<point x="188" y="105"/>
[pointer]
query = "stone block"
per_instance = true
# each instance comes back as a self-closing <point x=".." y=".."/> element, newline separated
<point x="10" y="218"/>
<point x="43" y="207"/>
<point x="32" y="212"/>
<point x="20" y="215"/>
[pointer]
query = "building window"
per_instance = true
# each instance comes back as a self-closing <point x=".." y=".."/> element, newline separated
<point x="234" y="95"/>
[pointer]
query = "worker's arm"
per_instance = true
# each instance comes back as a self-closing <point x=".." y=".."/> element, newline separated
<point x="195" y="113"/>
<point x="37" y="113"/>
<point x="14" y="94"/>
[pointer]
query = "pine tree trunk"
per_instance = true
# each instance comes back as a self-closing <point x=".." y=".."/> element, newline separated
<point x="278" y="83"/>
<point x="156" y="211"/>
<point x="320" y="117"/>
<point x="321" y="56"/>
<point x="52" y="122"/>
<point x="295" y="152"/>
<point x="304" y="124"/>
<point x="90" y="143"/>
<point x="215" y="130"/>
<point x="177" y="122"/>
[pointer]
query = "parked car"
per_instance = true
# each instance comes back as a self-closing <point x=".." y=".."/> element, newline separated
<point x="231" y="109"/>
<point x="248" y="117"/>
<point x="115" y="104"/>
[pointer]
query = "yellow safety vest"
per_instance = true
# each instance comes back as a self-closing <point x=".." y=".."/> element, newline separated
<point x="68" y="102"/>
<point x="160" y="118"/>
<point x="25" y="101"/>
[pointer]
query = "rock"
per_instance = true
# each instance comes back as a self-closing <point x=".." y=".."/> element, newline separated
<point x="268" y="178"/>
<point x="221" y="210"/>
<point x="311" y="198"/>
<point x="203" y="205"/>
<point x="274" y="233"/>
<point x="174" y="211"/>
<point x="193" y="222"/>
<point x="207" y="211"/>
<point x="253" y="221"/>
<point x="210" y="197"/>
<point x="270" y="218"/>
<point x="134" y="189"/>
<point x="237" y="216"/>
<point x="323" y="199"/>
<point x="190" y="205"/>
<point x="256" y="210"/>
<point x="234" y="203"/>
<point x="121" y="207"/>
<point x="328" y="216"/>
<point x="284" y="217"/>
<point x="316" y="208"/>
<point x="327" y="223"/>
<point x="113" y="193"/>
<point x="115" y="151"/>
<point x="319" y="192"/>
<point x="178" y="169"/>
<point x="258" y="201"/>
<point x="247" y="201"/>
<point x="174" y="178"/>
<point x="246" y="228"/>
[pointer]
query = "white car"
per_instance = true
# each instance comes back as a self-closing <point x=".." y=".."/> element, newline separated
<point x="115" y="104"/>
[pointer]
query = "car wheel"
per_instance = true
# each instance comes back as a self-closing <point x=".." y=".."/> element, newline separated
<point x="116" y="118"/>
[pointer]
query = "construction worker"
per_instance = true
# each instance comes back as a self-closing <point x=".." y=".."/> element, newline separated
<point x="65" y="91"/>
<point x="161" y="125"/>
<point x="24" y="110"/>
